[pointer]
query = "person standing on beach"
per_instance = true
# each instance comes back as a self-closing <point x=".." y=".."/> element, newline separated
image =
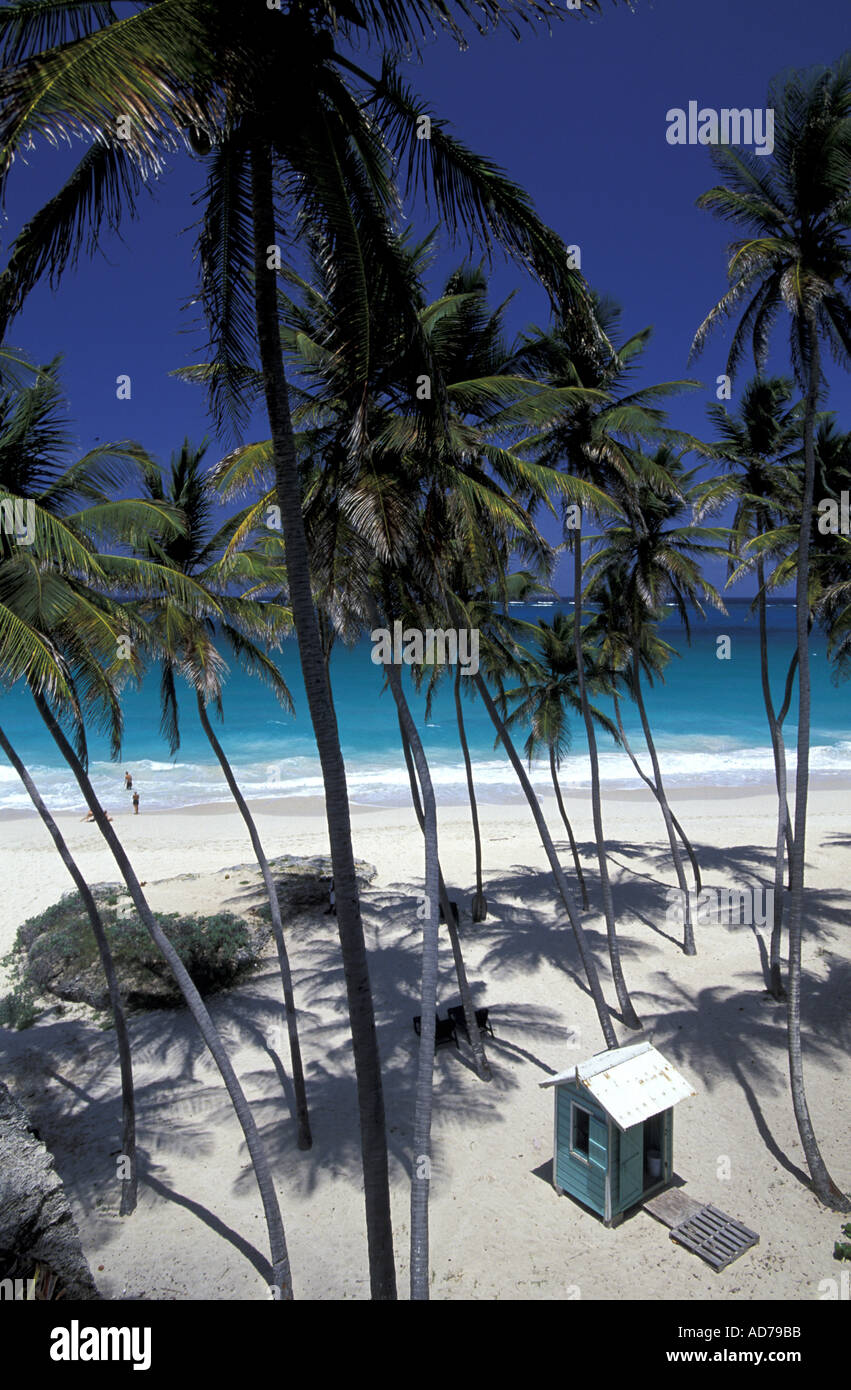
<point x="136" y="803"/>
<point x="128" y="782"/>
<point x="332" y="910"/>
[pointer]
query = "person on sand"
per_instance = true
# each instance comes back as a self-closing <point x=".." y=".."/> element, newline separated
<point x="332" y="910"/>
<point x="128" y="782"/>
<point x="136" y="803"/>
<point x="91" y="816"/>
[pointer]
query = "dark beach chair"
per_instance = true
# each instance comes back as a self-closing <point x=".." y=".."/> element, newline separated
<point x="457" y="1014"/>
<point x="444" y="1030"/>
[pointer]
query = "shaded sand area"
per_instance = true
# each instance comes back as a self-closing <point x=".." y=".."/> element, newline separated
<point x="498" y="1229"/>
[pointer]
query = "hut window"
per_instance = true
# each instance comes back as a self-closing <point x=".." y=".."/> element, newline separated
<point x="580" y="1135"/>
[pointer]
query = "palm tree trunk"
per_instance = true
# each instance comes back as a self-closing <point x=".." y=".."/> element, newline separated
<point x="588" y="963"/>
<point x="568" y="827"/>
<point x="695" y="867"/>
<point x="781" y="849"/>
<point x="784" y="835"/>
<point x="628" y="1014"/>
<point x="823" y="1185"/>
<point x="480" y="907"/>
<point x="305" y="1139"/>
<point x="421" y="1168"/>
<point x="775" y="723"/>
<point x="366" y="1056"/>
<point x="326" y="641"/>
<point x="122" y="1036"/>
<point x="688" y="930"/>
<point x="784" y="822"/>
<point x="473" y="1032"/>
<point x="281" y="1277"/>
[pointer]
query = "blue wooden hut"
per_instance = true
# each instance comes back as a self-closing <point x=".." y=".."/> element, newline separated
<point x="614" y="1128"/>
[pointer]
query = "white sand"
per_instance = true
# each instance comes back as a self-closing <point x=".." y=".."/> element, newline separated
<point x="498" y="1229"/>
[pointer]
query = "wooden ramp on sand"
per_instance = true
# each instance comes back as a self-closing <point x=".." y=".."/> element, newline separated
<point x="715" y="1237"/>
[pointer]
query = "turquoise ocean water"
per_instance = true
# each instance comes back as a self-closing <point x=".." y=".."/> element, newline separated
<point x="708" y="720"/>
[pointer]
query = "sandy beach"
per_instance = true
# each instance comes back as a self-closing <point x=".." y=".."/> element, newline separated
<point x="498" y="1228"/>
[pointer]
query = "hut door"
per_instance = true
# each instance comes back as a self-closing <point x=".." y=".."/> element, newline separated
<point x="631" y="1174"/>
<point x="654" y="1150"/>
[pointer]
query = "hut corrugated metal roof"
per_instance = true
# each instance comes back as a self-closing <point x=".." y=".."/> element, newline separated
<point x="631" y="1083"/>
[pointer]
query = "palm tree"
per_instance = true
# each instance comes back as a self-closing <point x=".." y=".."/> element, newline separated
<point x="762" y="440"/>
<point x="60" y="631"/>
<point x="651" y="561"/>
<point x="794" y="254"/>
<point x="469" y="527"/>
<point x="189" y="646"/>
<point x="363" y="513"/>
<point x="593" y="440"/>
<point x="606" y="633"/>
<point x="551" y="687"/>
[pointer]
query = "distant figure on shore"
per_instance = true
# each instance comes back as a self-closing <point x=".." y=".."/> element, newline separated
<point x="91" y="816"/>
<point x="128" y="782"/>
<point x="332" y="910"/>
<point x="136" y="803"/>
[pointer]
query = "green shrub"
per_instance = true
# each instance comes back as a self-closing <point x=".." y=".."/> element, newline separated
<point x="842" y="1248"/>
<point x="215" y="950"/>
<point x="56" y="953"/>
<point x="18" y="1009"/>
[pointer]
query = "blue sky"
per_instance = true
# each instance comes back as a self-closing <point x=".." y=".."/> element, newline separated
<point x="577" y="117"/>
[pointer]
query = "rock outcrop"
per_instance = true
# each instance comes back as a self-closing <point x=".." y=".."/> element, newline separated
<point x="57" y="956"/>
<point x="37" y="1228"/>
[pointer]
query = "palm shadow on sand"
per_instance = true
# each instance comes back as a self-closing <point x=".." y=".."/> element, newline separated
<point x="181" y="1101"/>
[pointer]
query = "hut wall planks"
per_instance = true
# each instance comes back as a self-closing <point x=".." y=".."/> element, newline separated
<point x="585" y="1180"/>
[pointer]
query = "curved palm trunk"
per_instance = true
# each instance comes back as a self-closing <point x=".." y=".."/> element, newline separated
<point x="421" y="1169"/>
<point x="367" y="1061"/>
<point x="568" y="827"/>
<point x="784" y="823"/>
<point x="122" y="1036"/>
<point x="630" y="1017"/>
<point x="281" y="1276"/>
<point x="473" y="1032"/>
<point x="305" y="1139"/>
<point x="784" y="833"/>
<point x="688" y="929"/>
<point x="692" y="857"/>
<point x="588" y="963"/>
<point x="823" y="1185"/>
<point x="781" y="850"/>
<point x="480" y="906"/>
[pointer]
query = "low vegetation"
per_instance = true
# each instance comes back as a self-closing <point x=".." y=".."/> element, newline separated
<point x="55" y="954"/>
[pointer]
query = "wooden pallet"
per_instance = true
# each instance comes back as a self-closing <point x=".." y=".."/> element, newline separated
<point x="716" y="1238"/>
